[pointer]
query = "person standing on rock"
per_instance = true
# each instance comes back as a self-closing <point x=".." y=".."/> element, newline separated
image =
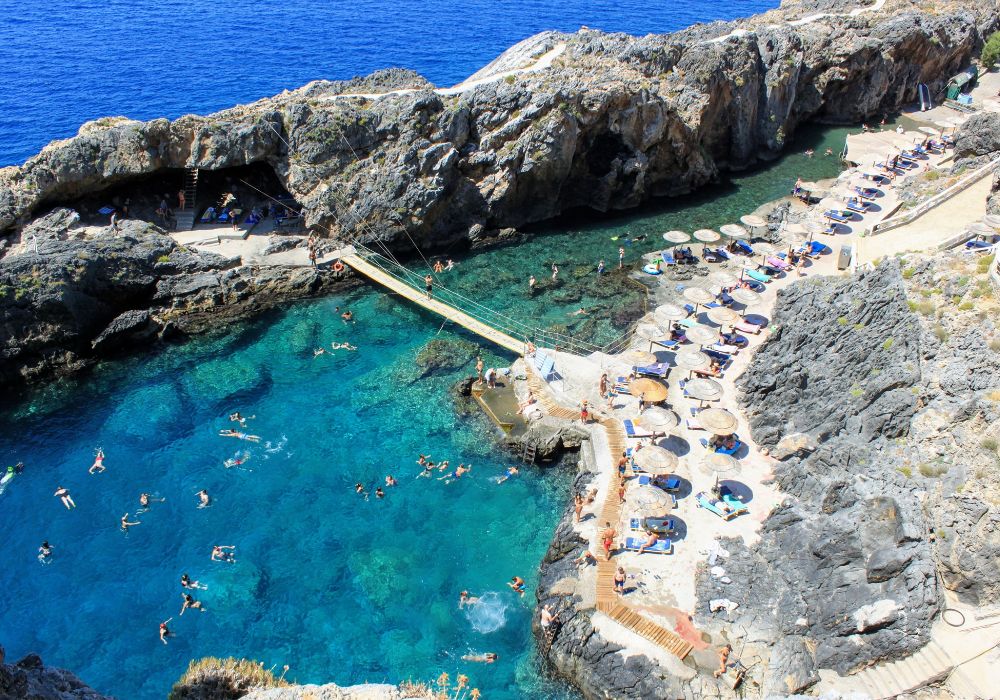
<point x="479" y="370"/>
<point x="604" y="385"/>
<point x="181" y="201"/>
<point x="312" y="256"/>
<point x="577" y="507"/>
<point x="620" y="581"/>
<point x="114" y="221"/>
<point x="584" y="412"/>
<point x="621" y="257"/>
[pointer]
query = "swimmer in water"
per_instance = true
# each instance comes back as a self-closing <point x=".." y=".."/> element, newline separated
<point x="423" y="460"/>
<point x="379" y="493"/>
<point x="517" y="585"/>
<point x="64" y="496"/>
<point x="224" y="552"/>
<point x="465" y="599"/>
<point x="319" y="351"/>
<point x="359" y="489"/>
<point x="98" y="465"/>
<point x="459" y="472"/>
<point x="428" y="470"/>
<point x="190" y="602"/>
<point x="487" y="658"/>
<point x="390" y="480"/>
<point x="237" y="418"/>
<point x="126" y="524"/>
<point x="511" y="471"/>
<point x="347" y="316"/>
<point x="45" y="553"/>
<point x="238" y="459"/>
<point x="342" y="346"/>
<point x="164" y="630"/>
<point x="186" y="582"/>
<point x="204" y="500"/>
<point x="228" y="432"/>
<point x="145" y="499"/>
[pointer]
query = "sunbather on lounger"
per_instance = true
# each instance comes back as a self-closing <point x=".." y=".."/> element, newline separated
<point x="650" y="542"/>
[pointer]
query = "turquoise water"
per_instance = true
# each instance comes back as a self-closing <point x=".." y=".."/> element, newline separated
<point x="342" y="589"/>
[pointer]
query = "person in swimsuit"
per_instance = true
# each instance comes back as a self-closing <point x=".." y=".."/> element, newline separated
<point x="64" y="496"/>
<point x="347" y="316"/>
<point x="584" y="559"/>
<point x="318" y="351"/>
<point x="342" y="346"/>
<point x="379" y="493"/>
<point x="186" y="582"/>
<point x="584" y="412"/>
<point x="723" y="660"/>
<point x="428" y="470"/>
<point x="620" y="581"/>
<point x="429" y="285"/>
<point x="224" y="552"/>
<point x="145" y="499"/>
<point x="577" y="507"/>
<point x="486" y="658"/>
<point x="479" y="369"/>
<point x="603" y="387"/>
<point x="438" y="267"/>
<point x="237" y="418"/>
<point x="390" y="480"/>
<point x="190" y="602"/>
<point x="164" y="630"/>
<point x="622" y="465"/>
<point x="45" y="553"/>
<point x="607" y="539"/>
<point x="126" y="524"/>
<point x="204" y="500"/>
<point x="511" y="471"/>
<point x="228" y="432"/>
<point x="98" y="465"/>
<point x="517" y="585"/>
<point x="546" y="619"/>
<point x="465" y="599"/>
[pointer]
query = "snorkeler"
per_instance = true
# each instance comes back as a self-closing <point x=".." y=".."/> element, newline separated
<point x="224" y="552"/>
<point x="164" y="630"/>
<point x="45" y="553"/>
<point x="347" y="316"/>
<point x="126" y="524"/>
<point x="465" y="599"/>
<point x="9" y="475"/>
<point x="359" y="489"/>
<point x="511" y="471"/>
<point x="423" y="460"/>
<point x="487" y="658"/>
<point x="517" y="585"/>
<point x="228" y="432"/>
<point x="204" y="500"/>
<point x="98" y="465"/>
<point x="186" y="582"/>
<point x="237" y="460"/>
<point x="64" y="496"/>
<point x="342" y="346"/>
<point x="190" y="602"/>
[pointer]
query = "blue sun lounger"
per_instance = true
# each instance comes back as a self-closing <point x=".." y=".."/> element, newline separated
<point x="836" y="216"/>
<point x="817" y="248"/>
<point x="547" y="368"/>
<point x="666" y="343"/>
<point x="735" y="507"/>
<point x="663" y="546"/>
<point x="671" y="484"/>
<point x="630" y="431"/>
<point x="745" y="247"/>
<point x="635" y="523"/>
<point x="208" y="216"/>
<point x="660" y="369"/>
<point x="668" y="258"/>
<point x="722" y="450"/>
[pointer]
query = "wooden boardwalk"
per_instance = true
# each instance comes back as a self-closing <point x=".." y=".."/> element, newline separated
<point x="460" y="318"/>
<point x="608" y="601"/>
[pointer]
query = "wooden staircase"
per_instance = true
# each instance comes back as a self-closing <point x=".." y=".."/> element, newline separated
<point x="608" y="601"/>
<point x="185" y="216"/>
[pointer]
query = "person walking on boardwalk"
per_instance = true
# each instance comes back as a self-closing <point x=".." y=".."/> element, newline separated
<point x="429" y="284"/>
<point x="584" y="412"/>
<point x="607" y="539"/>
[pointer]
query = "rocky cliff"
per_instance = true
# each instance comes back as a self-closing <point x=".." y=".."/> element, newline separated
<point x="563" y="120"/>
<point x="30" y="679"/>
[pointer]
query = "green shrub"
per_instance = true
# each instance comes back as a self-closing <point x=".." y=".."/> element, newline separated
<point x="926" y="307"/>
<point x="932" y="470"/>
<point x="966" y="306"/>
<point x="888" y="343"/>
<point x="991" y="51"/>
<point x="909" y="272"/>
<point x="995" y="345"/>
<point x="905" y="471"/>
<point x="842" y="320"/>
<point x="509" y="79"/>
<point x="163" y="259"/>
<point x="989" y="444"/>
<point x="911" y="304"/>
<point x="932" y="175"/>
<point x="983" y="264"/>
<point x="859" y="326"/>
<point x="941" y="333"/>
<point x="962" y="281"/>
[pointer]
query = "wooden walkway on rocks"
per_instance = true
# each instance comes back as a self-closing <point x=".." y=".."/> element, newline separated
<point x="609" y="602"/>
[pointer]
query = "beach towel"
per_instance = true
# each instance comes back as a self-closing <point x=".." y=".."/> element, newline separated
<point x="756" y="275"/>
<point x="106" y="211"/>
<point x="778" y="263"/>
<point x="736" y="508"/>
<point x="747" y="327"/>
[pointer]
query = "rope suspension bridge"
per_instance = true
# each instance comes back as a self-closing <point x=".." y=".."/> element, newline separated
<point x="499" y="328"/>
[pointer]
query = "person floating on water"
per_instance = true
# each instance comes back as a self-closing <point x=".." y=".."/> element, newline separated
<point x="164" y="630"/>
<point x="427" y="470"/>
<point x="465" y="599"/>
<point x="579" y="312"/>
<point x="379" y="493"/>
<point x="555" y="272"/>
<point x="359" y="489"/>
<point x="423" y="460"/>
<point x="228" y="432"/>
<point x="347" y="316"/>
<point x="9" y="475"/>
<point x="186" y="582"/>
<point x="342" y="346"/>
<point x="318" y="351"/>
<point x="621" y="257"/>
<point x="390" y="480"/>
<point x="511" y="471"/>
<point x="224" y="552"/>
<point x="64" y="496"/>
<point x="242" y="420"/>
<point x="145" y="499"/>
<point x="126" y="523"/>
<point x="237" y="460"/>
<point x="531" y="284"/>
<point x="487" y="658"/>
<point x="204" y="500"/>
<point x="190" y="602"/>
<point x="450" y="266"/>
<point x="517" y="585"/>
<point x="45" y="553"/>
<point x="98" y="465"/>
<point x="438" y="267"/>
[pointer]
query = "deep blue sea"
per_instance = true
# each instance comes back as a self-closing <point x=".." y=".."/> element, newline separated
<point x="339" y="588"/>
<point x="65" y="62"/>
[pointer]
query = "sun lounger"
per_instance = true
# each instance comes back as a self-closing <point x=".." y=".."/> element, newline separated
<point x="693" y="424"/>
<point x="660" y="369"/>
<point x="209" y="216"/>
<point x="756" y="275"/>
<point x="816" y="248"/>
<point x="548" y="368"/>
<point x="723" y="349"/>
<point x="978" y="244"/>
<point x="725" y="299"/>
<point x="778" y="263"/>
<point x="836" y="216"/>
<point x="689" y="308"/>
<point x="635" y="432"/>
<point x="735" y="507"/>
<point x="744" y="247"/>
<point x="866" y="192"/>
<point x="747" y="327"/>
<point x="722" y="450"/>
<point x="662" y="546"/>
<point x="668" y="258"/>
<point x="723" y="253"/>
<point x="540" y="358"/>
<point x="666" y="343"/>
<point x="665" y="525"/>
<point x="670" y="484"/>
<point x="687" y="322"/>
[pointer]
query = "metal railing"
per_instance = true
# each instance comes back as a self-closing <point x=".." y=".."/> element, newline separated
<point x="941" y="197"/>
<point x="519" y="330"/>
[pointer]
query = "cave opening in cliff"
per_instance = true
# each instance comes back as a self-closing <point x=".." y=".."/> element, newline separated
<point x="248" y="187"/>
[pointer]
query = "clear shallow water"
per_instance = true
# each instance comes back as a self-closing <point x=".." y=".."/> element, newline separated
<point x="342" y="589"/>
<point x="71" y="61"/>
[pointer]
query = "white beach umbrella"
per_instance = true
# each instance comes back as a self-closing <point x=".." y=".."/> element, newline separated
<point x="669" y="312"/>
<point x="702" y="335"/>
<point x="747" y="297"/>
<point x="992" y="220"/>
<point x="719" y="465"/>
<point x="707" y="235"/>
<point x="655" y="460"/>
<point x="698" y="295"/>
<point x="658" y="418"/>
<point x="717" y="421"/>
<point x="703" y="390"/>
<point x="734" y="231"/>
<point x="691" y="359"/>
<point x="981" y="228"/>
<point x="650" y="501"/>
<point x="637" y="358"/>
<point x="723" y="278"/>
<point x="753" y="221"/>
<point x="723" y="316"/>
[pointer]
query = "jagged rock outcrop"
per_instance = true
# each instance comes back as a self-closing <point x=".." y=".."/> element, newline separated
<point x="30" y="679"/>
<point x="613" y="121"/>
<point x="66" y="301"/>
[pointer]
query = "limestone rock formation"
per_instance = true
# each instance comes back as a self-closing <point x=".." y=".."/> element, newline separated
<point x="30" y="679"/>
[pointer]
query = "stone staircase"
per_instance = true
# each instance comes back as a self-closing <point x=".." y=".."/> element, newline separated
<point x="929" y="665"/>
<point x="185" y="216"/>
